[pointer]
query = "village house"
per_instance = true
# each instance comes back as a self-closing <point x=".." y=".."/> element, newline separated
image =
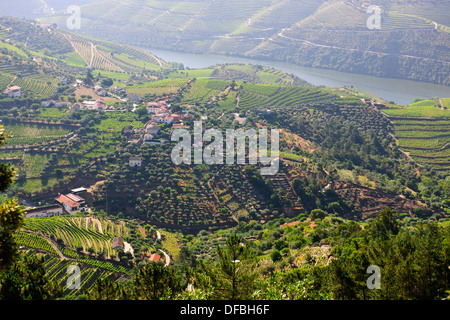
<point x="154" y="107"/>
<point x="48" y="103"/>
<point x="128" y="130"/>
<point x="65" y="79"/>
<point x="151" y="127"/>
<point x="117" y="90"/>
<point x="46" y="211"/>
<point x="137" y="139"/>
<point x="78" y="190"/>
<point x="69" y="205"/>
<point x="176" y="117"/>
<point x="81" y="202"/>
<point x="13" y="92"/>
<point x="100" y="91"/>
<point x="99" y="105"/>
<point x="163" y="118"/>
<point x="135" y="161"/>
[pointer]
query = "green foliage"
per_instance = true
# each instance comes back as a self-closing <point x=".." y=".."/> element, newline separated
<point x="153" y="282"/>
<point x="234" y="275"/>
<point x="26" y="279"/>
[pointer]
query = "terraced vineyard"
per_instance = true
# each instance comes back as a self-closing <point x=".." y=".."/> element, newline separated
<point x="78" y="232"/>
<point x="28" y="78"/>
<point x="423" y="131"/>
<point x="111" y="57"/>
<point x="85" y="241"/>
<point x="253" y="96"/>
<point x="161" y="87"/>
<point x="28" y="134"/>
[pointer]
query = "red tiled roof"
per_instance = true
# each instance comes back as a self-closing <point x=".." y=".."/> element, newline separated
<point x="64" y="199"/>
<point x="155" y="257"/>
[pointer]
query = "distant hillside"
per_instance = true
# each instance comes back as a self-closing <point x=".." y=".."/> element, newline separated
<point x="413" y="42"/>
<point x="33" y="56"/>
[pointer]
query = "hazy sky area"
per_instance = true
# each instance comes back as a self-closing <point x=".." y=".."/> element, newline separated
<point x="38" y="8"/>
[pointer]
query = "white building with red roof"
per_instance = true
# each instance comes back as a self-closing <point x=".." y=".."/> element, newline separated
<point x="71" y="203"/>
<point x="13" y="92"/>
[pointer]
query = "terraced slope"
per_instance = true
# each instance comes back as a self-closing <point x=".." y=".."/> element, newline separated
<point x="329" y="34"/>
<point x="423" y="131"/>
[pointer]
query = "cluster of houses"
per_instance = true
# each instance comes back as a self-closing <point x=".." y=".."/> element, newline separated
<point x="150" y="132"/>
<point x="85" y="105"/>
<point x="64" y="204"/>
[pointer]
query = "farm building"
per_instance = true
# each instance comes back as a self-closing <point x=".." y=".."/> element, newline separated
<point x="65" y="79"/>
<point x="135" y="161"/>
<point x="117" y="243"/>
<point x="47" y="211"/>
<point x="78" y="200"/>
<point x="78" y="190"/>
<point x="71" y="203"/>
<point x="13" y="92"/>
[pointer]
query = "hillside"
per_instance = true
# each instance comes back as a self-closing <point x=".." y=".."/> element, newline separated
<point x="360" y="181"/>
<point x="326" y="34"/>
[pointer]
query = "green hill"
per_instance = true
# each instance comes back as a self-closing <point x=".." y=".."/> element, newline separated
<point x="327" y="34"/>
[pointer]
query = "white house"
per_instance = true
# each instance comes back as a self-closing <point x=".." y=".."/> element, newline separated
<point x="48" y="103"/>
<point x="163" y="118"/>
<point x="69" y="205"/>
<point x="81" y="202"/>
<point x="13" y="92"/>
<point x="135" y="161"/>
<point x="47" y="211"/>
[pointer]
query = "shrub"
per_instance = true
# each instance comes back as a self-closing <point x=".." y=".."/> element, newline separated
<point x="275" y="255"/>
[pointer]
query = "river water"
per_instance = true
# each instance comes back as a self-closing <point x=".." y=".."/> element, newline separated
<point x="400" y="91"/>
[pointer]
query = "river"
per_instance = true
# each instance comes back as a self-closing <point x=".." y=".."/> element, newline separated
<point x="400" y="91"/>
